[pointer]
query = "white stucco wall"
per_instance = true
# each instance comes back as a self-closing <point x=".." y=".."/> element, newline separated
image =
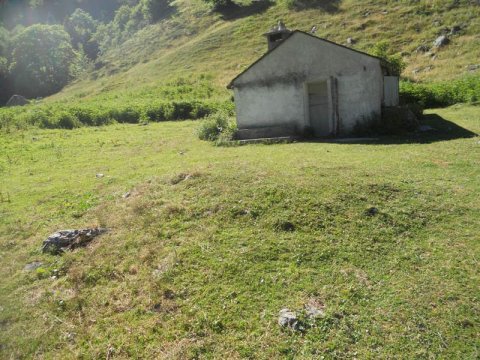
<point x="272" y="92"/>
<point x="276" y="105"/>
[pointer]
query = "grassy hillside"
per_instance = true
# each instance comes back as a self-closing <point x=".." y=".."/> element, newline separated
<point x="212" y="242"/>
<point x="195" y="41"/>
<point x="178" y="68"/>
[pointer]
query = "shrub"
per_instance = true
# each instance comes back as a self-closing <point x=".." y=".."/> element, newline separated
<point x="463" y="90"/>
<point x="65" y="120"/>
<point x="217" y="127"/>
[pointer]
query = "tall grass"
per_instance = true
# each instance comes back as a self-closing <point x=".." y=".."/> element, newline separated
<point x="441" y="94"/>
<point x="177" y="100"/>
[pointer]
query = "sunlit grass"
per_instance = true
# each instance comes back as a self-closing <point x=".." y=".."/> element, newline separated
<point x="196" y="264"/>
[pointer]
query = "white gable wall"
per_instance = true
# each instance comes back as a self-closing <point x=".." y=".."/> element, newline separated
<point x="273" y="91"/>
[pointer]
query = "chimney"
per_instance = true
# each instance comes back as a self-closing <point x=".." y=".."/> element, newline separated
<point x="276" y="35"/>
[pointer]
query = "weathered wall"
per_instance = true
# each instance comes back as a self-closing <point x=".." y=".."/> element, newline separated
<point x="272" y="92"/>
<point x="275" y="105"/>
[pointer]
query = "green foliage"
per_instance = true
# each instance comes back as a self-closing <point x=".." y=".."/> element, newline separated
<point x="218" y="127"/>
<point x="128" y="20"/>
<point x="155" y="10"/>
<point x="5" y="87"/>
<point x="440" y="94"/>
<point x="29" y="12"/>
<point x="179" y="99"/>
<point x="81" y="27"/>
<point x="43" y="60"/>
<point x="4" y="41"/>
<point x="382" y="50"/>
<point x="220" y="4"/>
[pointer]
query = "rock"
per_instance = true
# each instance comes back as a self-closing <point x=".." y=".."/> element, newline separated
<point x="422" y="49"/>
<point x="288" y="319"/>
<point x="441" y="41"/>
<point x="372" y="211"/>
<point x="455" y="30"/>
<point x="127" y="195"/>
<point x="17" y="100"/>
<point x="99" y="176"/>
<point x="33" y="266"/>
<point x="314" y="310"/>
<point x="473" y="67"/>
<point x="351" y="41"/>
<point x="70" y="239"/>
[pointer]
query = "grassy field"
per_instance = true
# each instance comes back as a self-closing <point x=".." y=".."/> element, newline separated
<point x="198" y="262"/>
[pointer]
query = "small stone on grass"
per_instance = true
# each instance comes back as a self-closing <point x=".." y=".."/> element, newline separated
<point x="33" y="266"/>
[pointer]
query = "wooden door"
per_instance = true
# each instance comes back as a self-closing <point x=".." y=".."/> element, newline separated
<point x="319" y="109"/>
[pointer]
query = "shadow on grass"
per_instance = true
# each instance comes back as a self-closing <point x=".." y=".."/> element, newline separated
<point x="435" y="128"/>
<point x="233" y="11"/>
<point x="330" y="6"/>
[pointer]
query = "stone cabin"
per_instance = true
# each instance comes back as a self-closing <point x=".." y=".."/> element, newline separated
<point x="305" y="85"/>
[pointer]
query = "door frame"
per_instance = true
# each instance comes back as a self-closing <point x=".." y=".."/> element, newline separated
<point x="332" y="88"/>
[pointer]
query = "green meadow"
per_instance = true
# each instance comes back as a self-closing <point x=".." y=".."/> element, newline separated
<point x="207" y="244"/>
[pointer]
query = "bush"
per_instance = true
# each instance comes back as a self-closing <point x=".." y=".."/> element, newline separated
<point x="65" y="120"/>
<point x="218" y="127"/>
<point x="182" y="99"/>
<point x="464" y="90"/>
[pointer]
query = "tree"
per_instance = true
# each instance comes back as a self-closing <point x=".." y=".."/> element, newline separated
<point x="43" y="60"/>
<point x="382" y="50"/>
<point x="4" y="41"/>
<point x="5" y="86"/>
<point x="81" y="27"/>
<point x="155" y="10"/>
<point x="219" y="5"/>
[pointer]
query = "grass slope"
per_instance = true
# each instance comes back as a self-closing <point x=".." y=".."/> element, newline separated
<point x="198" y="266"/>
<point x="196" y="41"/>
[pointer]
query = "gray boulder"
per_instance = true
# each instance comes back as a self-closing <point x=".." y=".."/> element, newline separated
<point x="70" y="239"/>
<point x="17" y="100"/>
<point x="33" y="266"/>
<point x="288" y="319"/>
<point x="441" y="41"/>
<point x="422" y="49"/>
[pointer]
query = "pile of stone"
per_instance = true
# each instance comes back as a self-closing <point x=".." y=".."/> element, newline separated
<point x="63" y="240"/>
